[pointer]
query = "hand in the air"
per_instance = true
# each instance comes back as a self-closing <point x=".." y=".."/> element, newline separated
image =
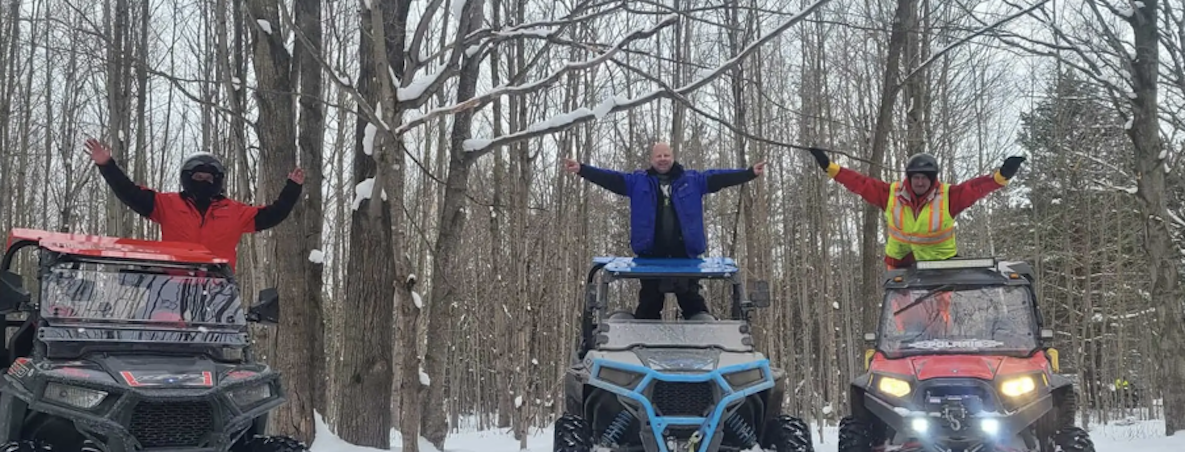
<point x="759" y="168"/>
<point x="821" y="157"/>
<point x="297" y="175"/>
<point x="1011" y="166"/>
<point x="98" y="151"/>
<point x="571" y="166"/>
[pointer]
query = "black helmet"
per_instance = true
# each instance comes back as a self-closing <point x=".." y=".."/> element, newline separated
<point x="202" y="162"/>
<point x="922" y="163"/>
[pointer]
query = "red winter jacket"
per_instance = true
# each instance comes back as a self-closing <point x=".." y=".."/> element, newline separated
<point x="876" y="192"/>
<point x="217" y="226"/>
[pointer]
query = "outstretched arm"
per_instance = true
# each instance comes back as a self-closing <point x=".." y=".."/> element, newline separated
<point x="269" y="216"/>
<point x="874" y="191"/>
<point x="608" y="179"/>
<point x="720" y="179"/>
<point x="968" y="192"/>
<point x="141" y="200"/>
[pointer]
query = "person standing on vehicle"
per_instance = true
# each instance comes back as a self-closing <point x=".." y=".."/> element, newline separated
<point x="666" y="218"/>
<point x="200" y="213"/>
<point x="919" y="218"/>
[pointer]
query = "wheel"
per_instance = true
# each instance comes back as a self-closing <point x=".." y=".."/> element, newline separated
<point x="25" y="446"/>
<point x="271" y="444"/>
<point x="855" y="435"/>
<point x="791" y="434"/>
<point x="1072" y="439"/>
<point x="572" y="434"/>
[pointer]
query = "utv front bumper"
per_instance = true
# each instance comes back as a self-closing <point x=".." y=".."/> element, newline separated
<point x="686" y="409"/>
<point x="130" y="419"/>
<point x="933" y="423"/>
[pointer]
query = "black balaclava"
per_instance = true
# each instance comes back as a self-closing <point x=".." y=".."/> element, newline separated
<point x="203" y="192"/>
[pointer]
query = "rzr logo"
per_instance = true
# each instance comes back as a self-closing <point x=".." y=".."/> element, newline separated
<point x="167" y="379"/>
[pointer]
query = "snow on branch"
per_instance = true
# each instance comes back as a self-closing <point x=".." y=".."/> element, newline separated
<point x="481" y="100"/>
<point x="616" y="104"/>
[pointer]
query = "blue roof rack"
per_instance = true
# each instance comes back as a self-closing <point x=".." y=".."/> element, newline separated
<point x="649" y="267"/>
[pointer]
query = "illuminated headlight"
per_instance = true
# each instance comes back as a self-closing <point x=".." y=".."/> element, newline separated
<point x="893" y="387"/>
<point x="744" y="378"/>
<point x="1019" y="386"/>
<point x="618" y="377"/>
<point x="990" y="426"/>
<point x="919" y="425"/>
<point x="251" y="395"/>
<point x="74" y="395"/>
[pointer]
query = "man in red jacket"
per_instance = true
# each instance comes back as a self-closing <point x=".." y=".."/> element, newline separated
<point x="199" y="213"/>
<point x="920" y="210"/>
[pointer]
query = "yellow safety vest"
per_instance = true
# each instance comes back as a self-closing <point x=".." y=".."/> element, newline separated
<point x="929" y="235"/>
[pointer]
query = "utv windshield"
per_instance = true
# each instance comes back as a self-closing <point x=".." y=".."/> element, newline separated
<point x="993" y="319"/>
<point x="109" y="294"/>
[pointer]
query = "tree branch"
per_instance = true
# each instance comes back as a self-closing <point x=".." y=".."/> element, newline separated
<point x="486" y="98"/>
<point x="582" y="115"/>
<point x="964" y="39"/>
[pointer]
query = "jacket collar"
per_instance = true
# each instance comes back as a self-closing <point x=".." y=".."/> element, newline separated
<point x="674" y="173"/>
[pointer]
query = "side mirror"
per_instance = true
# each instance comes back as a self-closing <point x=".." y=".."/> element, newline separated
<point x="267" y="310"/>
<point x="12" y="292"/>
<point x="759" y="293"/>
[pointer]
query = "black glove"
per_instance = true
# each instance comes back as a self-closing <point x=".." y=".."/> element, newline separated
<point x="820" y="157"/>
<point x="1010" y="166"/>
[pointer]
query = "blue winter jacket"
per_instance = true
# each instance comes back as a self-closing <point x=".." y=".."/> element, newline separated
<point x="687" y="191"/>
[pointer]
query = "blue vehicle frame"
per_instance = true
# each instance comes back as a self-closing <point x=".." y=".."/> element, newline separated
<point x="610" y="411"/>
<point x="707" y="424"/>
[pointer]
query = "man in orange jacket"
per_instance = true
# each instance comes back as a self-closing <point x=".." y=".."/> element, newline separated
<point x="200" y="213"/>
<point x="922" y="208"/>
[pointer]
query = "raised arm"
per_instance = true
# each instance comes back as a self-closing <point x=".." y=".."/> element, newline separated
<point x="874" y="191"/>
<point x="720" y="179"/>
<point x="967" y="193"/>
<point x="608" y="179"/>
<point x="267" y="217"/>
<point x="141" y="200"/>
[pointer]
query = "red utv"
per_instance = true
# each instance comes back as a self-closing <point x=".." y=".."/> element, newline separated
<point x="961" y="364"/>
<point x="131" y="345"/>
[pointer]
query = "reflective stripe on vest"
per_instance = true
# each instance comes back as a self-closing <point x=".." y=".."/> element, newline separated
<point x="929" y="236"/>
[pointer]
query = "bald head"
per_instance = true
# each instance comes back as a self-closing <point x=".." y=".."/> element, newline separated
<point x="661" y="157"/>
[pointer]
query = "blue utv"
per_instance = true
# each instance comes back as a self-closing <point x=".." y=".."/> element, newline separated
<point x="673" y="385"/>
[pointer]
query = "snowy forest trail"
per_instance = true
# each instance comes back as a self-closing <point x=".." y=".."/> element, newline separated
<point x="1127" y="435"/>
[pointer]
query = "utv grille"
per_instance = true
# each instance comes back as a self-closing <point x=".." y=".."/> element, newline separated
<point x="172" y="424"/>
<point x="683" y="399"/>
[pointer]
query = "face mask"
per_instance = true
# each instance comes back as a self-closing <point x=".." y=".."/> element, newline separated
<point x="202" y="190"/>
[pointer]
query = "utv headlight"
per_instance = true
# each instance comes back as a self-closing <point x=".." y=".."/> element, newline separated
<point x="745" y="378"/>
<point x="623" y="378"/>
<point x="1016" y="387"/>
<point x="893" y="387"/>
<point x="250" y="395"/>
<point x="74" y="395"/>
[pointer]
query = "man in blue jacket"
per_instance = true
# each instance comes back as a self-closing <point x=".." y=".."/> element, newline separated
<point x="666" y="218"/>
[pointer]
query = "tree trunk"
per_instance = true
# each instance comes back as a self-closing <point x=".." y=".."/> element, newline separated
<point x="446" y="275"/>
<point x="297" y="358"/>
<point x="312" y="142"/>
<point x="1163" y="258"/>
<point x="871" y="256"/>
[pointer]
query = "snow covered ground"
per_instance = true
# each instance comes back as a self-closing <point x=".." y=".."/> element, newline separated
<point x="1122" y="436"/>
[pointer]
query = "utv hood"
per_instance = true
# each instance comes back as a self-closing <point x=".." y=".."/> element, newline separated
<point x="151" y="372"/>
<point x="954" y="366"/>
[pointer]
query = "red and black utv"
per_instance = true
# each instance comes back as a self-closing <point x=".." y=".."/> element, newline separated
<point x="961" y="363"/>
